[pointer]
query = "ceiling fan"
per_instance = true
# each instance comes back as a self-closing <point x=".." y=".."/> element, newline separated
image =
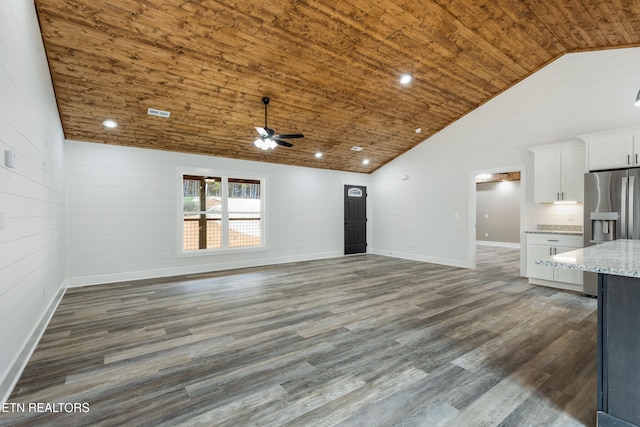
<point x="268" y="139"/>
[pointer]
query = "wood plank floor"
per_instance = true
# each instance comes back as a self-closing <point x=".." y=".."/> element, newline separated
<point x="356" y="341"/>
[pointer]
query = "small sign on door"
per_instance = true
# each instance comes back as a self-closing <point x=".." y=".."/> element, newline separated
<point x="354" y="192"/>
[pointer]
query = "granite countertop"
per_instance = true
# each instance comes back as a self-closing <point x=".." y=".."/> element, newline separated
<point x="618" y="257"/>
<point x="573" y="230"/>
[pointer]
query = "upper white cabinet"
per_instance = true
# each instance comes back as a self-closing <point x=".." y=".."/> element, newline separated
<point x="559" y="172"/>
<point x="613" y="149"/>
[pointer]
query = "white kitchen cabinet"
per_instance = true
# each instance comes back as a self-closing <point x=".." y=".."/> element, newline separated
<point x="559" y="172"/>
<point x="542" y="246"/>
<point x="613" y="149"/>
<point x="536" y="252"/>
<point x="567" y="275"/>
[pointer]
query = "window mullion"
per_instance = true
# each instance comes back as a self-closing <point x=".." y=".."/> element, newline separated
<point x="202" y="228"/>
<point x="225" y="212"/>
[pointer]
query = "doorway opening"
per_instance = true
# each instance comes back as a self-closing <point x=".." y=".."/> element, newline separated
<point x="477" y="221"/>
<point x="498" y="209"/>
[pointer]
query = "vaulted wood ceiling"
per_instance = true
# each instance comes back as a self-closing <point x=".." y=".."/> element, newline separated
<point x="330" y="67"/>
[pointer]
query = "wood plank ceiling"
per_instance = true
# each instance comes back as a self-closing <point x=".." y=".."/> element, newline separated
<point x="330" y="67"/>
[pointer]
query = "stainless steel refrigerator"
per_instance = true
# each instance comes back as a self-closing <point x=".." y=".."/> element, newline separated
<point x="611" y="211"/>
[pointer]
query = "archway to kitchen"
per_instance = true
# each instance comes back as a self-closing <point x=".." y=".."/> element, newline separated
<point x="497" y="176"/>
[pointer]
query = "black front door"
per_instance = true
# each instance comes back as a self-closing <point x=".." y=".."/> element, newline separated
<point x="355" y="219"/>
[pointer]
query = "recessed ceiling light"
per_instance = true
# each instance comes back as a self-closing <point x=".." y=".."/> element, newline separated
<point x="405" y="79"/>
<point x="356" y="148"/>
<point x="418" y="130"/>
<point x="111" y="124"/>
<point x="365" y="162"/>
<point x="318" y="155"/>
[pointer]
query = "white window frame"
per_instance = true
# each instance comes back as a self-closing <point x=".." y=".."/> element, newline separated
<point x="225" y="175"/>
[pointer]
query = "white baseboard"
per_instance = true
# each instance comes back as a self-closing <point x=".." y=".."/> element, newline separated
<point x="424" y="258"/>
<point x="14" y="371"/>
<point x="191" y="269"/>
<point x="499" y="244"/>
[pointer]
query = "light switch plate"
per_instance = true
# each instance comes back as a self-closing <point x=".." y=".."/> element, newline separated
<point x="9" y="159"/>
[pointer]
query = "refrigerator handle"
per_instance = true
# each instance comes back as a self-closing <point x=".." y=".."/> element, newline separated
<point x="632" y="180"/>
<point x="623" y="208"/>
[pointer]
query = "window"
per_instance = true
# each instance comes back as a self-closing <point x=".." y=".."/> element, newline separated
<point x="221" y="212"/>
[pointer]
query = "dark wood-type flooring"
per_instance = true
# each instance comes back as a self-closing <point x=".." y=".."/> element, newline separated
<point x="356" y="341"/>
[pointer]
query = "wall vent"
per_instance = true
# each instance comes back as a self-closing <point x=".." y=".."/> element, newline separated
<point x="159" y="113"/>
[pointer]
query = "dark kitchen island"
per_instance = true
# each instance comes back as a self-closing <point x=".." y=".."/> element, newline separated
<point x="618" y="266"/>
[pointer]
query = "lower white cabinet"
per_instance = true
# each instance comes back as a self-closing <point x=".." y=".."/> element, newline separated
<point x="541" y="246"/>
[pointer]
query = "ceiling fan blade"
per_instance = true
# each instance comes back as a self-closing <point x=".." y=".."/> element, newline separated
<point x="283" y="143"/>
<point x="263" y="133"/>
<point x="291" y="135"/>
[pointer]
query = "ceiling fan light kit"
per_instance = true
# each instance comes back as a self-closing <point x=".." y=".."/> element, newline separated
<point x="265" y="144"/>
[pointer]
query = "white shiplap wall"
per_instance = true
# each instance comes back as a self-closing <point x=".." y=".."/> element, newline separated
<point x="32" y="201"/>
<point x="427" y="216"/>
<point x="123" y="210"/>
